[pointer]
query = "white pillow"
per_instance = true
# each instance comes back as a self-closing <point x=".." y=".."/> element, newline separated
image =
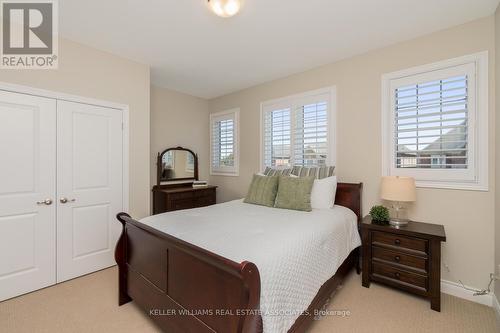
<point x="323" y="193"/>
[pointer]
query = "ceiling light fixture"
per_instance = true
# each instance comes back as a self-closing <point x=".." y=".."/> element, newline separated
<point x="225" y="8"/>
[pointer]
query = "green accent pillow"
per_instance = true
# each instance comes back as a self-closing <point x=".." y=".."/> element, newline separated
<point x="262" y="191"/>
<point x="294" y="193"/>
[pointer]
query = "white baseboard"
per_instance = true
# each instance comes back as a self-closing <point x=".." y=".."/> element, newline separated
<point x="455" y="289"/>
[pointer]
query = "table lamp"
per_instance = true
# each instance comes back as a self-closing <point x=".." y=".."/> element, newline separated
<point x="398" y="190"/>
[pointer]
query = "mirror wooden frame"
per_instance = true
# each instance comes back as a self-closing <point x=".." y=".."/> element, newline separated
<point x="159" y="165"/>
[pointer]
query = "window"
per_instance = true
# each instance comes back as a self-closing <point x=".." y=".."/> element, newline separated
<point x="296" y="130"/>
<point x="224" y="158"/>
<point x="435" y="123"/>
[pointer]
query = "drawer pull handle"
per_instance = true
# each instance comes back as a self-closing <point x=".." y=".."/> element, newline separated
<point x="397" y="242"/>
<point x="397" y="258"/>
<point x="397" y="275"/>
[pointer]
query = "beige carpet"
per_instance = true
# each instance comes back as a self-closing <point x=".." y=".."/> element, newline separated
<point x="89" y="304"/>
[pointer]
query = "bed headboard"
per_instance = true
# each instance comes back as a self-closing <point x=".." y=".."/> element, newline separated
<point x="349" y="195"/>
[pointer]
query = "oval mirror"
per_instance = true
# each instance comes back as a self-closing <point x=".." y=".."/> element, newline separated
<point x="176" y="164"/>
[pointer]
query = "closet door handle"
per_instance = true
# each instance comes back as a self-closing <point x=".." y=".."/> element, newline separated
<point x="65" y="200"/>
<point x="47" y="202"/>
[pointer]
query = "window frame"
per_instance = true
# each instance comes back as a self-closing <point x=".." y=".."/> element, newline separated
<point x="226" y="171"/>
<point x="475" y="177"/>
<point x="290" y="102"/>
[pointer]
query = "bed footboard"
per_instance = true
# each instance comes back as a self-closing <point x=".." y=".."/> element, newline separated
<point x="185" y="288"/>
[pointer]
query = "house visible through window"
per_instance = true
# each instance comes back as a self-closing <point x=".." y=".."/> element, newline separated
<point x="435" y="126"/>
<point x="224" y="143"/>
<point x="439" y="162"/>
<point x="296" y="130"/>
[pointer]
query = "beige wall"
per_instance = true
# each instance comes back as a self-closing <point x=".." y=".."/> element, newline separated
<point x="497" y="155"/>
<point x="468" y="216"/>
<point x="88" y="72"/>
<point x="178" y="120"/>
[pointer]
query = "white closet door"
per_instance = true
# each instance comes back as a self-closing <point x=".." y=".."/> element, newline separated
<point x="89" y="187"/>
<point x="27" y="176"/>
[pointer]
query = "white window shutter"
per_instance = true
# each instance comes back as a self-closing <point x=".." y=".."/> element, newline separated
<point x="296" y="130"/>
<point x="277" y="132"/>
<point x="431" y="124"/>
<point x="310" y="144"/>
<point x="224" y="143"/>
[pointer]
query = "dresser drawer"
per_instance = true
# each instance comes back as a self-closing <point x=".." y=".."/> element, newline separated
<point x="412" y="262"/>
<point x="204" y="201"/>
<point x="384" y="271"/>
<point x="204" y="193"/>
<point x="417" y="245"/>
<point x="180" y="195"/>
<point x="179" y="204"/>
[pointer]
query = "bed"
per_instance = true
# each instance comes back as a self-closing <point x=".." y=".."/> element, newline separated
<point x="233" y="267"/>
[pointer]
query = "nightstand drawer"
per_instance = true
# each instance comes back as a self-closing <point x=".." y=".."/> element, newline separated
<point x="412" y="262"/>
<point x="399" y="276"/>
<point x="400" y="242"/>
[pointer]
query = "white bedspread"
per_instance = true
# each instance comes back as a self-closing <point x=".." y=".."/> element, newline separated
<point x="295" y="252"/>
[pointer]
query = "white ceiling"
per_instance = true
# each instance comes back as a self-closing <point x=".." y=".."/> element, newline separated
<point x="193" y="51"/>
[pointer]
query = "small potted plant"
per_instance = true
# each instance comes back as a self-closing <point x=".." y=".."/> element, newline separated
<point x="379" y="214"/>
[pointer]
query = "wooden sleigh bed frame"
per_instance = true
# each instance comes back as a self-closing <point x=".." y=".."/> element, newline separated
<point x="185" y="288"/>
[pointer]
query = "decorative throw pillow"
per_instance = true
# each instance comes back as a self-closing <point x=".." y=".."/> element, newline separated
<point x="262" y="191"/>
<point x="319" y="172"/>
<point x="277" y="172"/>
<point x="294" y="193"/>
<point x="323" y="193"/>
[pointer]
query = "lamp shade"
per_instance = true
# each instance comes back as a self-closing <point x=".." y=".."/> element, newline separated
<point x="395" y="188"/>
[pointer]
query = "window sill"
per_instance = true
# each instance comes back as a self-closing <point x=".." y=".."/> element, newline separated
<point x="471" y="186"/>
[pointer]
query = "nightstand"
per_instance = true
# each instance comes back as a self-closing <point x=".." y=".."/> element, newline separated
<point x="407" y="258"/>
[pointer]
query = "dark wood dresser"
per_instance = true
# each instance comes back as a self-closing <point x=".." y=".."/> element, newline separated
<point x="408" y="257"/>
<point x="168" y="198"/>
